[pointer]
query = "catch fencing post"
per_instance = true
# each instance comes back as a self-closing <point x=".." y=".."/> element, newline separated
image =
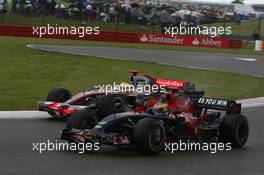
<point x="260" y="20"/>
<point x="224" y="23"/>
<point x="43" y="20"/>
<point x="117" y="23"/>
<point x="3" y="18"/>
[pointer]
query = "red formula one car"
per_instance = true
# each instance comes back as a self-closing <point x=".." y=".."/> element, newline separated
<point x="60" y="103"/>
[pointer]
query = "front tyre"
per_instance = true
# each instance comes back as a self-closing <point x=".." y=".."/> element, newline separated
<point x="81" y="120"/>
<point x="235" y="130"/>
<point x="149" y="136"/>
<point x="58" y="95"/>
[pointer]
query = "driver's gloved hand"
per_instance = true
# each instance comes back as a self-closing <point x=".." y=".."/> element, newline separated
<point x="176" y="111"/>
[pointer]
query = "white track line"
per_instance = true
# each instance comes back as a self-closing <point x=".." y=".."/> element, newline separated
<point x="246" y="59"/>
<point x="23" y="115"/>
<point x="252" y="102"/>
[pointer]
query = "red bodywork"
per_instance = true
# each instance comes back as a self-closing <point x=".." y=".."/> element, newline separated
<point x="65" y="109"/>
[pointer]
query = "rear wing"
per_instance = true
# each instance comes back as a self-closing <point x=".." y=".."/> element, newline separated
<point x="172" y="84"/>
<point x="168" y="84"/>
<point x="230" y="106"/>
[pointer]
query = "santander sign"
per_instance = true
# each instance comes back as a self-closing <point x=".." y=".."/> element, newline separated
<point x="171" y="84"/>
<point x="188" y="40"/>
<point x="161" y="39"/>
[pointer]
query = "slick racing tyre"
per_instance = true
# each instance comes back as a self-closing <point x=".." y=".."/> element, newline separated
<point x="81" y="120"/>
<point x="58" y="95"/>
<point x="235" y="130"/>
<point x="110" y="104"/>
<point x="149" y="136"/>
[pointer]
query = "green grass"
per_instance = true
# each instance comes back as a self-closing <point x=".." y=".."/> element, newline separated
<point x="26" y="75"/>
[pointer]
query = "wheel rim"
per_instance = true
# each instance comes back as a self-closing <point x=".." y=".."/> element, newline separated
<point x="243" y="131"/>
<point x="121" y="108"/>
<point x="156" y="137"/>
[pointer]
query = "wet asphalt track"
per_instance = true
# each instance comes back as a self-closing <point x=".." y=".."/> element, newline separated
<point x="17" y="157"/>
<point x="222" y="62"/>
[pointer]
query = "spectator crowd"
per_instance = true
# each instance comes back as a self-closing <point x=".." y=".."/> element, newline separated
<point x="130" y="11"/>
<point x="105" y="10"/>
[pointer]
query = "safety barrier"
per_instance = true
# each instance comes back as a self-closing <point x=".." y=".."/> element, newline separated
<point x="180" y="40"/>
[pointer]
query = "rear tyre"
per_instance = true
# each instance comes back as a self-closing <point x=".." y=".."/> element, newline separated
<point x="235" y="130"/>
<point x="149" y="136"/>
<point x="108" y="105"/>
<point x="81" y="120"/>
